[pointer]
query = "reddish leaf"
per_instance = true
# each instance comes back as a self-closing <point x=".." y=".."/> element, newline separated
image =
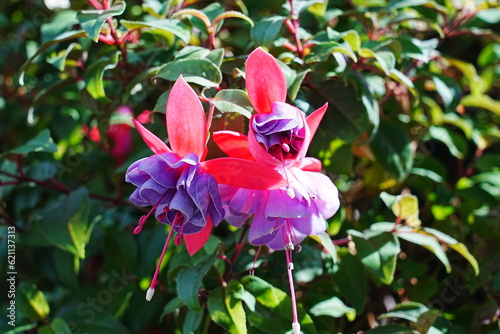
<point x="155" y="144"/>
<point x="234" y="144"/>
<point x="265" y="81"/>
<point x="244" y="173"/>
<point x="186" y="125"/>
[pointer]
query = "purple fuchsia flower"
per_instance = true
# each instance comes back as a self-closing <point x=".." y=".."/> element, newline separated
<point x="279" y="136"/>
<point x="182" y="188"/>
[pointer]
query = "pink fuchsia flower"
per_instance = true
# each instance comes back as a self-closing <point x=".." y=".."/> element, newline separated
<point x="279" y="136"/>
<point x="182" y="188"/>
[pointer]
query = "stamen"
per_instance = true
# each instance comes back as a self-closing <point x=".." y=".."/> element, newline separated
<point x="151" y="290"/>
<point x="296" y="328"/>
<point x="138" y="229"/>
<point x="252" y="270"/>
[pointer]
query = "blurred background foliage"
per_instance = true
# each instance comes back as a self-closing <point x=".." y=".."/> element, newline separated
<point x="411" y="139"/>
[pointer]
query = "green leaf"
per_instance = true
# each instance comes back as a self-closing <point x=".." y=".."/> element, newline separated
<point x="406" y="208"/>
<point x="426" y="241"/>
<point x="426" y="320"/>
<point x="59" y="60"/>
<point x="455" y="245"/>
<point x="92" y="20"/>
<point x="351" y="279"/>
<point x="264" y="32"/>
<point x="199" y="71"/>
<point x="232" y="14"/>
<point x="169" y="26"/>
<point x="32" y="302"/>
<point x="71" y="230"/>
<point x="94" y="76"/>
<point x="67" y="267"/>
<point x="233" y="100"/>
<point x="147" y="74"/>
<point x="481" y="101"/>
<point x="276" y="315"/>
<point x="42" y="142"/>
<point x="333" y="307"/>
<point x="392" y="329"/>
<point x="378" y="253"/>
<point x="326" y="241"/>
<point x="189" y="280"/>
<point x="226" y="308"/>
<point x="455" y="143"/>
<point x="57" y="326"/>
<point x="294" y="89"/>
<point x="353" y="109"/>
<point x="391" y="147"/>
<point x="191" y="322"/>
<point x="61" y="38"/>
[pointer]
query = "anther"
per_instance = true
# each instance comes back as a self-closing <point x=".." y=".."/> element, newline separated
<point x="149" y="294"/>
<point x="138" y="229"/>
<point x="290" y="266"/>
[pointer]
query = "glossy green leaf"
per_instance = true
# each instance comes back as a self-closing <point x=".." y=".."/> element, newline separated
<point x="42" y="142"/>
<point x="335" y="308"/>
<point x="94" y="76"/>
<point x="378" y="253"/>
<point x="199" y="71"/>
<point x="226" y="308"/>
<point x="455" y="143"/>
<point x="276" y="316"/>
<point x="192" y="321"/>
<point x="264" y="32"/>
<point x="59" y="60"/>
<point x="326" y="241"/>
<point x="351" y="279"/>
<point x="233" y="100"/>
<point x="71" y="231"/>
<point x="232" y="14"/>
<point x="92" y="20"/>
<point x="391" y="147"/>
<point x="67" y="266"/>
<point x="169" y="26"/>
<point x="189" y="280"/>
<point x="66" y="36"/>
<point x="481" y="101"/>
<point x="31" y="302"/>
<point x="391" y="329"/>
<point x="352" y="108"/>
<point x="426" y="241"/>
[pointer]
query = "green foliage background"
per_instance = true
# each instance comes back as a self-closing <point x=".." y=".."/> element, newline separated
<point x="413" y="93"/>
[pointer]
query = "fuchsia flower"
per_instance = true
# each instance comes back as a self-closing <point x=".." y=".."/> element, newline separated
<point x="182" y="188"/>
<point x="279" y="136"/>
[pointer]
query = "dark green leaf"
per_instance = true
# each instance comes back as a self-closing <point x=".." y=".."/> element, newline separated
<point x="333" y="307"/>
<point x="169" y="26"/>
<point x="92" y="20"/>
<point x="264" y="32"/>
<point x="378" y="253"/>
<point x="351" y="279"/>
<point x="59" y="60"/>
<point x="61" y="38"/>
<point x="326" y="241"/>
<point x="189" y="280"/>
<point x="233" y="100"/>
<point x="94" y="76"/>
<point x="392" y="329"/>
<point x="426" y="320"/>
<point x="391" y="147"/>
<point x="67" y="267"/>
<point x="31" y="302"/>
<point x="42" y="142"/>
<point x="199" y="71"/>
<point x="192" y="321"/>
<point x="71" y="230"/>
<point x="455" y="143"/>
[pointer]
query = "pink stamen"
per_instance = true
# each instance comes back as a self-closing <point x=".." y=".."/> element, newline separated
<point x="252" y="270"/>
<point x="151" y="289"/>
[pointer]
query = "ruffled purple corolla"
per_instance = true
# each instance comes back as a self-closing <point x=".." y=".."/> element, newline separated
<point x="281" y="132"/>
<point x="181" y="192"/>
<point x="280" y="221"/>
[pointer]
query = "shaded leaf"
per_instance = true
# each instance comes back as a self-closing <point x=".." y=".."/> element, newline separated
<point x="171" y="26"/>
<point x="233" y="100"/>
<point x="92" y="20"/>
<point x="42" y="142"/>
<point x="199" y="71"/>
<point x="264" y="32"/>
<point x="94" y="76"/>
